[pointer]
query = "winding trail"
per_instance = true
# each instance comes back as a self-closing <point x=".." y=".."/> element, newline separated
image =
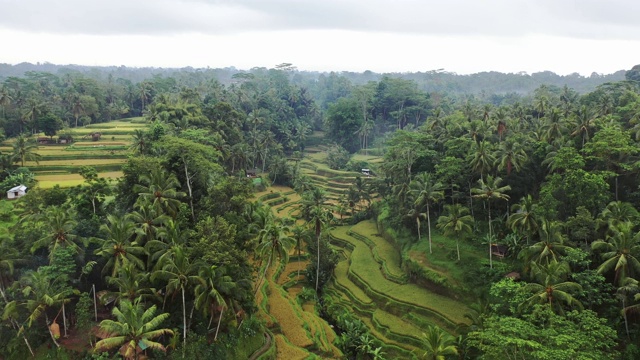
<point x="263" y="349"/>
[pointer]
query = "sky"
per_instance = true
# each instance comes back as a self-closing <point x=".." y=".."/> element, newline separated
<point x="459" y="36"/>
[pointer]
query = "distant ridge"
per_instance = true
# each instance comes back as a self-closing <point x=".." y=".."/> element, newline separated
<point x="491" y="82"/>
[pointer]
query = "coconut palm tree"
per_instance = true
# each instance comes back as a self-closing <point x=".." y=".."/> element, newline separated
<point x="5" y="100"/>
<point x="315" y="208"/>
<point x="483" y="159"/>
<point x="550" y="246"/>
<point x="616" y="213"/>
<point x="133" y="330"/>
<point x="42" y="293"/>
<point x="138" y="142"/>
<point x="488" y="190"/>
<point x="160" y="189"/>
<point x="148" y="222"/>
<point x="24" y="150"/>
<point x="274" y="241"/>
<point x="118" y="247"/>
<point x="299" y="234"/>
<point x="210" y="292"/>
<point x="415" y="214"/>
<point x="456" y="222"/>
<point x="179" y="273"/>
<point x="426" y="191"/>
<point x="132" y="284"/>
<point x="511" y="156"/>
<point x="551" y="289"/>
<point x="628" y="286"/>
<point x="620" y="252"/>
<point x="585" y="122"/>
<point x="523" y="217"/>
<point x="438" y="344"/>
<point x="58" y="224"/>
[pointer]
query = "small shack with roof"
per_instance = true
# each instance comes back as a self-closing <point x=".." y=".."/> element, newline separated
<point x="16" y="192"/>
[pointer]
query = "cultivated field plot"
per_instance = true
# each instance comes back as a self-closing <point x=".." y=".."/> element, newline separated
<point x="60" y="164"/>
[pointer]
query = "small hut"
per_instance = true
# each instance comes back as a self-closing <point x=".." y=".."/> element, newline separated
<point x="16" y="192"/>
<point x="251" y="173"/>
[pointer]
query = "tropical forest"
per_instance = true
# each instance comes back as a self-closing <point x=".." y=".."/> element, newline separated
<point x="274" y="213"/>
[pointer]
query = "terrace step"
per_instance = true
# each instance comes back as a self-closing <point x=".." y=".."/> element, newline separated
<point x="393" y="297"/>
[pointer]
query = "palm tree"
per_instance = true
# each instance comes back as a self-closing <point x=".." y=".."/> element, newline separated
<point x="523" y="217"/>
<point x="134" y="329"/>
<point x="132" y="284"/>
<point x="179" y="273"/>
<point x="299" y="234"/>
<point x="59" y="224"/>
<point x="33" y="110"/>
<point x="5" y="100"/>
<point x="160" y="189"/>
<point x="274" y="241"/>
<point x="210" y="292"/>
<point x="438" y="344"/>
<point x="457" y="223"/>
<point x="363" y="132"/>
<point x="24" y="150"/>
<point x="117" y="247"/>
<point x="138" y="142"/>
<point x="145" y="92"/>
<point x="42" y="293"/>
<point x="550" y="246"/>
<point x="415" y="213"/>
<point x="554" y="125"/>
<point x="148" y="222"/>
<point x="551" y="288"/>
<point x="585" y="120"/>
<point x="511" y="156"/>
<point x="314" y="208"/>
<point x="483" y="159"/>
<point x="616" y="213"/>
<point x="491" y="190"/>
<point x="620" y="251"/>
<point x="628" y="286"/>
<point x="426" y="191"/>
<point x="77" y="109"/>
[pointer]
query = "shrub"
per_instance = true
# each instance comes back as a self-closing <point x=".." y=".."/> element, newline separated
<point x="337" y="157"/>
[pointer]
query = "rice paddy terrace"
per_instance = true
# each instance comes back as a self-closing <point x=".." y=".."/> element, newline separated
<point x="60" y="163"/>
<point x="368" y="281"/>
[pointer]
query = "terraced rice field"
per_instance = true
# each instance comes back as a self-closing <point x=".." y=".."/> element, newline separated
<point x="368" y="281"/>
<point x="59" y="164"/>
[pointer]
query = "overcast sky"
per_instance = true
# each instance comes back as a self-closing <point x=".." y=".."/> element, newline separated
<point x="462" y="36"/>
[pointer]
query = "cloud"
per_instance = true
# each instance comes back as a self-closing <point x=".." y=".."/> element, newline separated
<point x="612" y="19"/>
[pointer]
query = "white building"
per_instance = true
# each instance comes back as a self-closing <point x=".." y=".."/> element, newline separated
<point x="16" y="192"/>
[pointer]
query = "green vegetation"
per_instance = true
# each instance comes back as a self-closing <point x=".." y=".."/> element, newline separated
<point x="245" y="213"/>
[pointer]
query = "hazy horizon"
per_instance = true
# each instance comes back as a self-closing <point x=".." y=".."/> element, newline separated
<point x="459" y="36"/>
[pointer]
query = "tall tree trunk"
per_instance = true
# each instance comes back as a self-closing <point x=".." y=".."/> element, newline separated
<point x="490" y="237"/>
<point x="186" y="174"/>
<point x="184" y="322"/>
<point x="219" y="321"/>
<point x="429" y="229"/>
<point x="624" y="315"/>
<point x="418" y="225"/>
<point x="64" y="319"/>
<point x="95" y="303"/>
<point x="318" y="253"/>
<point x="264" y="275"/>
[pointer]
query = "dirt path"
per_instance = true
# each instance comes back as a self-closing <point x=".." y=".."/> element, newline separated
<point x="263" y="349"/>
